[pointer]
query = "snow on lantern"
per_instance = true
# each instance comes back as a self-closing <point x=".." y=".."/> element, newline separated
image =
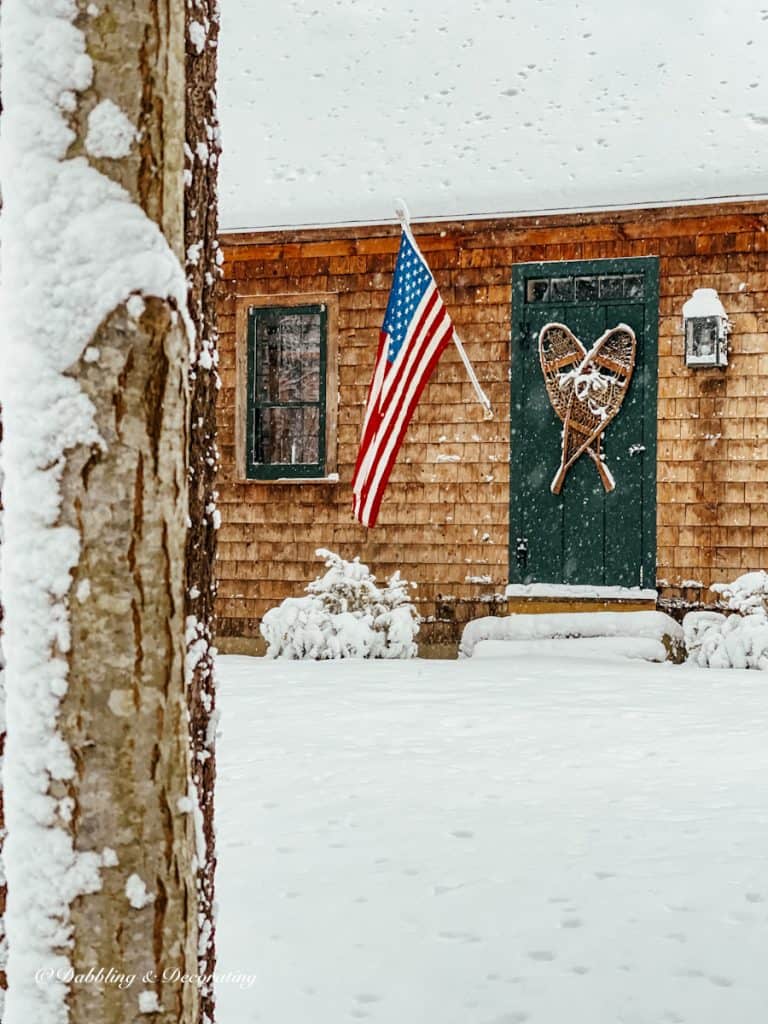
<point x="706" y="327"/>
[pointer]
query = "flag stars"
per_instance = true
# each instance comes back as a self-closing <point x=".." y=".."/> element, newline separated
<point x="411" y="281"/>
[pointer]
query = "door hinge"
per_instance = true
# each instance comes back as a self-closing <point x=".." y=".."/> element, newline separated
<point x="521" y="552"/>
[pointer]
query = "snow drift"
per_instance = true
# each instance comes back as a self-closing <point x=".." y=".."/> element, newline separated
<point x="562" y="625"/>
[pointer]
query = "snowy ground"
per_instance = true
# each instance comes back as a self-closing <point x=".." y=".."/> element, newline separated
<point x="548" y="839"/>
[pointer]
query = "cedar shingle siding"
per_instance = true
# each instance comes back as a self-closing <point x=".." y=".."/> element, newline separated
<point x="712" y="468"/>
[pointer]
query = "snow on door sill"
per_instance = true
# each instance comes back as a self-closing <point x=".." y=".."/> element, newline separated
<point x="566" y="591"/>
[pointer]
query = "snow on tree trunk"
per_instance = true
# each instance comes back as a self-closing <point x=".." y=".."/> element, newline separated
<point x="101" y="848"/>
<point x="202" y="264"/>
<point x="3" y="887"/>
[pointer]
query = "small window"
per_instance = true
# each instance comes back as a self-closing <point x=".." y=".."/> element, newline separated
<point x="611" y="286"/>
<point x="537" y="290"/>
<point x="633" y="286"/>
<point x="561" y="289"/>
<point x="586" y="289"/>
<point x="286" y="409"/>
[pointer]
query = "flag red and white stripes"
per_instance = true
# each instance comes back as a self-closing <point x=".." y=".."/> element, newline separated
<point x="415" y="333"/>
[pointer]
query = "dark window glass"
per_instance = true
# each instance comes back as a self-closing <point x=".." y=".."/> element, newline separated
<point x="561" y="289"/>
<point x="611" y="287"/>
<point x="633" y="286"/>
<point x="286" y="436"/>
<point x="537" y="290"/>
<point x="586" y="289"/>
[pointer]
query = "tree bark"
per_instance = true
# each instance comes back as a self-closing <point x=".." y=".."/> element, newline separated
<point x="124" y="715"/>
<point x="202" y="256"/>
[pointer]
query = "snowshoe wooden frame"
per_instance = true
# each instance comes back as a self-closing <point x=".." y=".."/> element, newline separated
<point x="586" y="390"/>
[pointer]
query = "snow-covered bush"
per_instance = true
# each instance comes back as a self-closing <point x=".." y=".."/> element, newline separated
<point x="738" y="640"/>
<point x="344" y="615"/>
<point x="747" y="594"/>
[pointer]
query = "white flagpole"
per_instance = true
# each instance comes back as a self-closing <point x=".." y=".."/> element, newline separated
<point x="481" y="395"/>
<point x="402" y="214"/>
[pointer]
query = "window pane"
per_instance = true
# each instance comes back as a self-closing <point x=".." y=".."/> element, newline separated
<point x="287" y="437"/>
<point x="561" y="289"/>
<point x="633" y="287"/>
<point x="611" y="287"/>
<point x="537" y="290"/>
<point x="586" y="289"/>
<point x="288" y="357"/>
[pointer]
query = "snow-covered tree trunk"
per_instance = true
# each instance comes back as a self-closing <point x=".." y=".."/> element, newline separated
<point x="202" y="255"/>
<point x="3" y="887"/>
<point x="103" y="835"/>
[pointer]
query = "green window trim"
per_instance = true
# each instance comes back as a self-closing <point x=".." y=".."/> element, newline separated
<point x="260" y="405"/>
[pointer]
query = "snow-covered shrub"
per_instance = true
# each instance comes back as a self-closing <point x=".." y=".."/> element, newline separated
<point x="738" y="640"/>
<point x="344" y="615"/>
<point x="747" y="594"/>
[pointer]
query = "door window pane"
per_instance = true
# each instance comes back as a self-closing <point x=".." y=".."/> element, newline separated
<point x="611" y="287"/>
<point x="633" y="286"/>
<point x="537" y="290"/>
<point x="561" y="289"/>
<point x="586" y="289"/>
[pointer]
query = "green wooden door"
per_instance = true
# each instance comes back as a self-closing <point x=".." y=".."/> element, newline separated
<point x="583" y="535"/>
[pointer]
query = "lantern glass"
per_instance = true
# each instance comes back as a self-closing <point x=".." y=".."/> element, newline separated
<point x="705" y="341"/>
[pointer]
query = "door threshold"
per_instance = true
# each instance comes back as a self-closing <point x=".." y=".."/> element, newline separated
<point x="545" y="598"/>
<point x="580" y="591"/>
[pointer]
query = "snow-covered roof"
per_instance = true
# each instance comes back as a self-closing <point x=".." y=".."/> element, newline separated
<point x="330" y="108"/>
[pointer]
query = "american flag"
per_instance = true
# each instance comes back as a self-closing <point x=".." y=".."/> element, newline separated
<point x="415" y="332"/>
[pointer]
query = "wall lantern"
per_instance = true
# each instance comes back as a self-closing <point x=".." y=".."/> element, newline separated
<point x="706" y="327"/>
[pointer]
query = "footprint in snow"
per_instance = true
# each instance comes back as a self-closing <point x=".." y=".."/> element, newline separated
<point x="460" y="936"/>
<point x="542" y="955"/>
<point x="571" y="922"/>
<point x="516" y="1017"/>
<point x="754" y="897"/>
<point x="441" y="890"/>
<point x="602" y="875"/>
<point x="367" y="998"/>
<point x="462" y="833"/>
